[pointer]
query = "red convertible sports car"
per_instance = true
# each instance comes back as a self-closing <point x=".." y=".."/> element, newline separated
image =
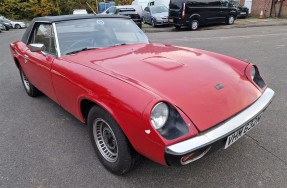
<point x="170" y="104"/>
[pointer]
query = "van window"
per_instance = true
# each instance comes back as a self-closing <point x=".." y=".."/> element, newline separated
<point x="176" y="4"/>
<point x="214" y="3"/>
<point x="203" y="3"/>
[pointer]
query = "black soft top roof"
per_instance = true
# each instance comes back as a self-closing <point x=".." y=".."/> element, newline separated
<point x="52" y="19"/>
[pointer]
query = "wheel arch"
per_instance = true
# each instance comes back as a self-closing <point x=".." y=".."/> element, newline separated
<point x="17" y="63"/>
<point x="195" y="17"/>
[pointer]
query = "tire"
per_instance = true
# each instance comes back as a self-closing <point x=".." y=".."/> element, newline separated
<point x="230" y="20"/>
<point x="140" y="25"/>
<point x="153" y="23"/>
<point x="177" y="27"/>
<point x="31" y="90"/>
<point x="110" y="143"/>
<point x="7" y="28"/>
<point x="194" y="24"/>
<point x="17" y="26"/>
<point x="144" y="21"/>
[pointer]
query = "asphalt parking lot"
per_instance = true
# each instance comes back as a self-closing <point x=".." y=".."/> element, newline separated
<point x="42" y="145"/>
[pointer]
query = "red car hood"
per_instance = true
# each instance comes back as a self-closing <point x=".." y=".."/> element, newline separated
<point x="185" y="77"/>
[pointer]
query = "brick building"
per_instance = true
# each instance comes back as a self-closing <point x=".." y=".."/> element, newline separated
<point x="265" y="6"/>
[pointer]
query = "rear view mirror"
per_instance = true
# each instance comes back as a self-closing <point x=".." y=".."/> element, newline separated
<point x="36" y="47"/>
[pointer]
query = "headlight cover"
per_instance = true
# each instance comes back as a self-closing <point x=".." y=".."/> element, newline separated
<point x="253" y="73"/>
<point x="168" y="122"/>
<point x="159" y="115"/>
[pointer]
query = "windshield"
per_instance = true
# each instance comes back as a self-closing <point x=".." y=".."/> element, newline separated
<point x="158" y="9"/>
<point x="75" y="35"/>
<point x="235" y="3"/>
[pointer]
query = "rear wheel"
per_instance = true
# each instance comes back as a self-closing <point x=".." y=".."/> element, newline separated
<point x="110" y="143"/>
<point x="17" y="26"/>
<point x="31" y="90"/>
<point x="6" y="28"/>
<point x="194" y="25"/>
<point x="177" y="26"/>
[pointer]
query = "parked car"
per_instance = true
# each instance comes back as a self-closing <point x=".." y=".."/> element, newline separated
<point x="242" y="11"/>
<point x="18" y="24"/>
<point x="168" y="103"/>
<point x="7" y="24"/>
<point x="156" y="15"/>
<point x="192" y="13"/>
<point x="127" y="10"/>
<point x="2" y="27"/>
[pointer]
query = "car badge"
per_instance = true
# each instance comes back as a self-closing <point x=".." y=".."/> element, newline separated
<point x="219" y="86"/>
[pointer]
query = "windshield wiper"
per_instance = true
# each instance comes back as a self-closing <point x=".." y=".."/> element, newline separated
<point x="81" y="50"/>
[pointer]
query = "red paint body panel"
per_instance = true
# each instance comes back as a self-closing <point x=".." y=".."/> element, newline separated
<point x="187" y="77"/>
<point x="129" y="80"/>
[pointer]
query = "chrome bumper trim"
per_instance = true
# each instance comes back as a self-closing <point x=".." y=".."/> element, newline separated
<point x="226" y="128"/>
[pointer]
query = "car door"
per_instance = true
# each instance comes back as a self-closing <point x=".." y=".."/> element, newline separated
<point x="37" y="65"/>
<point x="213" y="11"/>
<point x="225" y="10"/>
<point x="147" y="15"/>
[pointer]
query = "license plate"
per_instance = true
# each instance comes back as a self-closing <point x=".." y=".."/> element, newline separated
<point x="242" y="131"/>
<point x="243" y="13"/>
<point x="170" y="20"/>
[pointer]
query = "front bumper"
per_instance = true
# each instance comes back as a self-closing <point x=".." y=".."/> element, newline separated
<point x="215" y="138"/>
<point x="162" y="22"/>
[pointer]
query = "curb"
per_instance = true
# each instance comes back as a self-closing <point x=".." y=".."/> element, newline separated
<point x="152" y="30"/>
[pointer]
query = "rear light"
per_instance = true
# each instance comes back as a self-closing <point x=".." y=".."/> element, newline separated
<point x="183" y="11"/>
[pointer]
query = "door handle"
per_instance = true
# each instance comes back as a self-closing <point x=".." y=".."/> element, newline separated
<point x="26" y="58"/>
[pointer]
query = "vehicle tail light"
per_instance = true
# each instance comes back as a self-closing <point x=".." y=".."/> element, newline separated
<point x="183" y="11"/>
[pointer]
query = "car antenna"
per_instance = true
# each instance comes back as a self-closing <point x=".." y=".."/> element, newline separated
<point x="91" y="8"/>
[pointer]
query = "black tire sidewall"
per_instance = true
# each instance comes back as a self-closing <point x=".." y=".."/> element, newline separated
<point x="33" y="92"/>
<point x="227" y="21"/>
<point x="126" y="154"/>
<point x="153" y="23"/>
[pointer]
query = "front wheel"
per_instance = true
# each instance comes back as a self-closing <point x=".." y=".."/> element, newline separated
<point x="194" y="25"/>
<point x="31" y="90"/>
<point x="230" y="20"/>
<point x="153" y="23"/>
<point x="111" y="145"/>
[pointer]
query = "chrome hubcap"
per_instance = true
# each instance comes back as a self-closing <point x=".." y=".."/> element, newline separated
<point x="231" y="20"/>
<point x="25" y="81"/>
<point x="194" y="25"/>
<point x="105" y="140"/>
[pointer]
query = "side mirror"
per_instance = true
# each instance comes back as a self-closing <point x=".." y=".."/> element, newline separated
<point x="36" y="47"/>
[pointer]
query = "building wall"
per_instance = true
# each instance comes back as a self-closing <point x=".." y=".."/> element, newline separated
<point x="265" y="6"/>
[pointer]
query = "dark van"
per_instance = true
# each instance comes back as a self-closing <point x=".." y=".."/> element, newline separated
<point x="193" y="13"/>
